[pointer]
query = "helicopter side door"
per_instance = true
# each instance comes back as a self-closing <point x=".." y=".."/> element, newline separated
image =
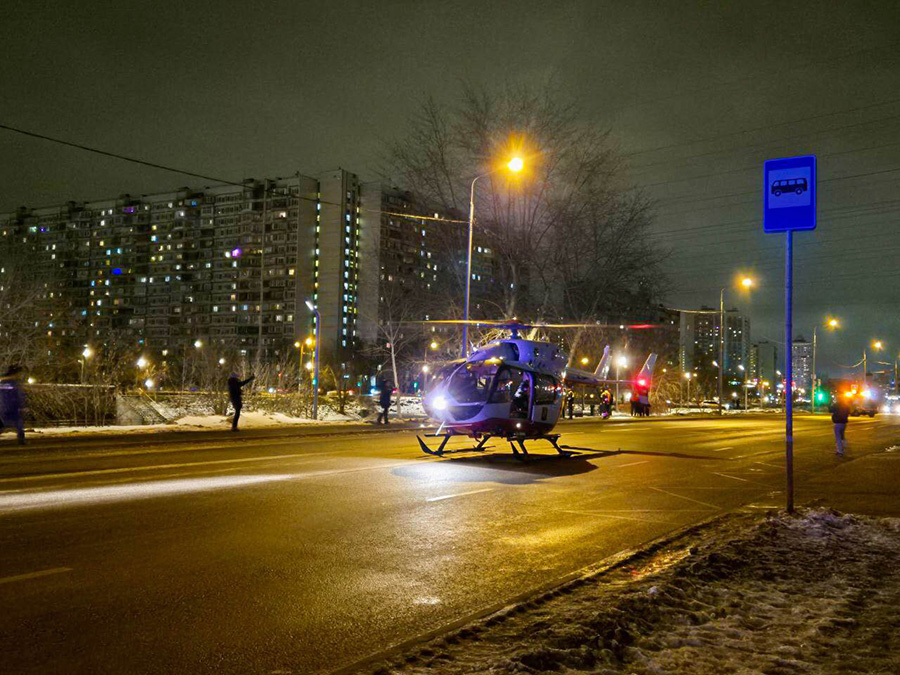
<point x="547" y="400"/>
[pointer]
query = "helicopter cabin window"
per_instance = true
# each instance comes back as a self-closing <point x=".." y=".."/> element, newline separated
<point x="508" y="382"/>
<point x="545" y="390"/>
<point x="513" y="386"/>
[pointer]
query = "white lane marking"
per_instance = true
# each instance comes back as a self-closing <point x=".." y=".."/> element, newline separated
<point x="689" y="499"/>
<point x="578" y="512"/>
<point x="725" y="475"/>
<point x="34" y="575"/>
<point x="622" y="466"/>
<point x="177" y="465"/>
<point x="458" y="494"/>
<point x="730" y="447"/>
<point x="773" y="466"/>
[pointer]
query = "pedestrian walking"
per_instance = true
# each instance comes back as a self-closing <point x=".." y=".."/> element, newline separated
<point x="12" y="400"/>
<point x="840" y="415"/>
<point x="235" y="395"/>
<point x="570" y="403"/>
<point x="384" y="401"/>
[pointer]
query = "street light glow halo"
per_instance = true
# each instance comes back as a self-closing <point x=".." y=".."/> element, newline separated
<point x="516" y="164"/>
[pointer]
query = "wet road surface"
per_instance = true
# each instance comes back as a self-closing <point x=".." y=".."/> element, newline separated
<point x="301" y="551"/>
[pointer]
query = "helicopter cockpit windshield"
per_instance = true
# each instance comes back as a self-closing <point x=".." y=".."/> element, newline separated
<point x="471" y="382"/>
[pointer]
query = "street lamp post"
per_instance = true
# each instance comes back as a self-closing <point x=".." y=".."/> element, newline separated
<point x="746" y="282"/>
<point x="515" y="165"/>
<point x="85" y="355"/>
<point x="315" y="310"/>
<point x="620" y="362"/>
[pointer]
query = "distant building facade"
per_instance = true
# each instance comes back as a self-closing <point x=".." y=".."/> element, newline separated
<point x="801" y="364"/>
<point x="699" y="339"/>
<point x="764" y="362"/>
<point x="232" y="265"/>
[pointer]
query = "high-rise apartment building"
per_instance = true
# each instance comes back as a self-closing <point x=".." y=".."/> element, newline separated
<point x="801" y="363"/>
<point x="764" y="362"/>
<point x="699" y="339"/>
<point x="231" y="265"/>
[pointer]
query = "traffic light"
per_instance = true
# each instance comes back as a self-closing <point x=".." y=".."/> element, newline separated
<point x="821" y="397"/>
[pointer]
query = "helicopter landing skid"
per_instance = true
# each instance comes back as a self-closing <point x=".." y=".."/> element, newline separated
<point x="552" y="439"/>
<point x="440" y="452"/>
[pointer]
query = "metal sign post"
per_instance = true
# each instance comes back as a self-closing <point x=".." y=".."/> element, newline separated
<point x="789" y="200"/>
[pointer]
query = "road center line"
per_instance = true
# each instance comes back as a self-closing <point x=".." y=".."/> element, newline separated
<point x="730" y="447"/>
<point x="725" y="475"/>
<point x="622" y="466"/>
<point x="689" y="499"/>
<point x="34" y="575"/>
<point x="458" y="494"/>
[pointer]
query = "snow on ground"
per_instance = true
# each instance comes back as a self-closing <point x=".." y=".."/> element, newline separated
<point x="815" y="593"/>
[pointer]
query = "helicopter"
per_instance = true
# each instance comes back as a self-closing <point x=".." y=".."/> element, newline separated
<point x="511" y="388"/>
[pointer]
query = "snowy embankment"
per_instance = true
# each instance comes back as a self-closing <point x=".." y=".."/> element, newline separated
<point x="816" y="593"/>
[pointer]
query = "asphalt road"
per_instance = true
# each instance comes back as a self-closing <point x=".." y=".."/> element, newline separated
<point x="302" y="551"/>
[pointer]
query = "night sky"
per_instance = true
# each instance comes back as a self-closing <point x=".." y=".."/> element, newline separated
<point x="696" y="95"/>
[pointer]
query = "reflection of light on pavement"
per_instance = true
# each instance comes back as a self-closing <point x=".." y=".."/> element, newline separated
<point x="427" y="600"/>
<point x="114" y="493"/>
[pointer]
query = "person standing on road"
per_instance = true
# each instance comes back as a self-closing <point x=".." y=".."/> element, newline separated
<point x="236" y="396"/>
<point x="840" y="415"/>
<point x="384" y="401"/>
<point x="12" y="400"/>
<point x="606" y="402"/>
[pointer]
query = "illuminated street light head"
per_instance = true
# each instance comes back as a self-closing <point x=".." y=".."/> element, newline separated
<point x="312" y="307"/>
<point x="309" y="342"/>
<point x="309" y="365"/>
<point x="297" y="344"/>
<point x="584" y="360"/>
<point x="687" y="376"/>
<point x="142" y="362"/>
<point x="87" y="353"/>
<point x="434" y="345"/>
<point x="198" y="344"/>
<point x="622" y="362"/>
<point x="877" y="344"/>
<point x="831" y="322"/>
<point x="747" y="282"/>
<point x="425" y="368"/>
<point x="516" y="164"/>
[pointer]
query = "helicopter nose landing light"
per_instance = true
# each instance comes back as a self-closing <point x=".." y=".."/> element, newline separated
<point x="440" y="403"/>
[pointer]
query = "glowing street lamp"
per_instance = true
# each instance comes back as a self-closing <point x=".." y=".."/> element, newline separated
<point x="584" y="360"/>
<point x="198" y="344"/>
<point x="222" y="361"/>
<point x="514" y="165"/>
<point x="878" y="345"/>
<point x="142" y="363"/>
<point x="434" y="345"/>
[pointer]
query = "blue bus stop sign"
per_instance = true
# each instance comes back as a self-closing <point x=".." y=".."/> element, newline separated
<point x="790" y="194"/>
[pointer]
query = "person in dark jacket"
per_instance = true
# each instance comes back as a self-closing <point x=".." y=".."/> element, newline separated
<point x="12" y="400"/>
<point x="840" y="415"/>
<point x="235" y="396"/>
<point x="384" y="401"/>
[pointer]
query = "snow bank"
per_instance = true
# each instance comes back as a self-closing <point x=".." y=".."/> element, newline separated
<point x="811" y="594"/>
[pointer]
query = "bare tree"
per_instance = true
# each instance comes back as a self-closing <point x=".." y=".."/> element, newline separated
<point x="567" y="238"/>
